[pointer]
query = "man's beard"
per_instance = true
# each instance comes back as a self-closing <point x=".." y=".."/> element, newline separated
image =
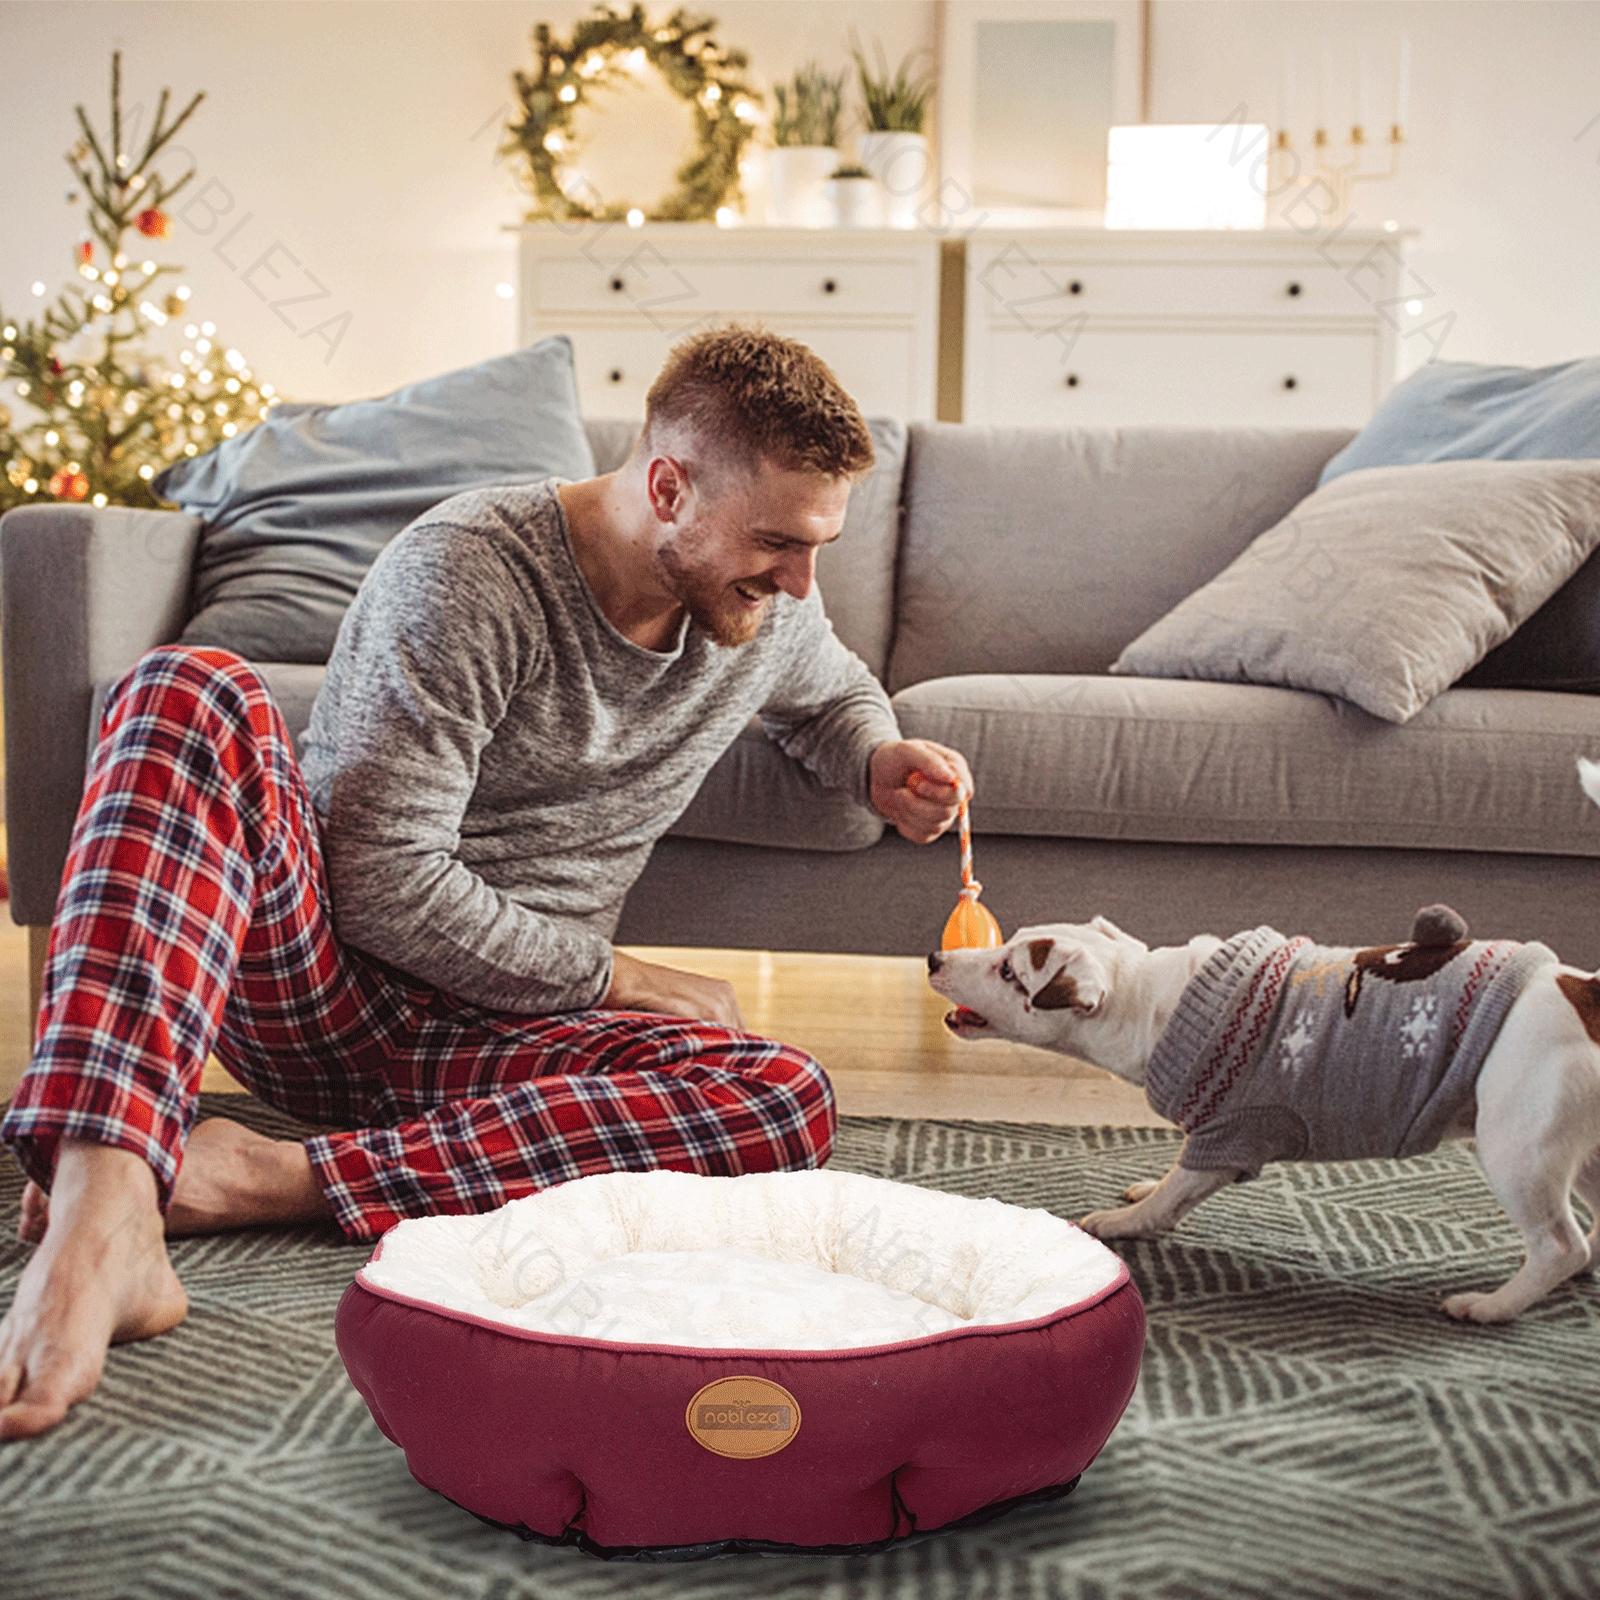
<point x="712" y="603"/>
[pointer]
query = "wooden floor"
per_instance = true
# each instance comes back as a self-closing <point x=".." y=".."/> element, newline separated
<point x="871" y="1020"/>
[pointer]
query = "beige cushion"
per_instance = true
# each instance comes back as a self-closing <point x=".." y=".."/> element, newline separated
<point x="1048" y="549"/>
<point x="1152" y="758"/>
<point x="1387" y="585"/>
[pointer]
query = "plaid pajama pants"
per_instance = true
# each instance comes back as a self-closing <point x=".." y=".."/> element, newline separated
<point x="194" y="918"/>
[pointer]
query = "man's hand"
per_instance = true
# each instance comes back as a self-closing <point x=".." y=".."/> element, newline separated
<point x="917" y="786"/>
<point x="643" y="986"/>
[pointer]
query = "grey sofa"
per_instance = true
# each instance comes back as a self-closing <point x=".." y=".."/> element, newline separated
<point x="989" y="576"/>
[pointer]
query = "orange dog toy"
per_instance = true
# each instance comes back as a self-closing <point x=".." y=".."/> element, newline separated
<point x="971" y="925"/>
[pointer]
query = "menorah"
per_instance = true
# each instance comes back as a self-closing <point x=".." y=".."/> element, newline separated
<point x="1339" y="176"/>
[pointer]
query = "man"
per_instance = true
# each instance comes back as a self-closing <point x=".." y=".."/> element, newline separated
<point x="407" y="936"/>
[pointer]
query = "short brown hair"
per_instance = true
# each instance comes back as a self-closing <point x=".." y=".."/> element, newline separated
<point x="751" y="392"/>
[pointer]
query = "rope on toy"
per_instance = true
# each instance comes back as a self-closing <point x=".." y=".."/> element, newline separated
<point x="971" y="926"/>
<point x="969" y="884"/>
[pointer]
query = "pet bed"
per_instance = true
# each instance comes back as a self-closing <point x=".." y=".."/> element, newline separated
<point x="661" y="1365"/>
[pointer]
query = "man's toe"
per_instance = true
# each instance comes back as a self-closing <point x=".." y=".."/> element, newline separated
<point x="42" y="1399"/>
<point x="24" y="1418"/>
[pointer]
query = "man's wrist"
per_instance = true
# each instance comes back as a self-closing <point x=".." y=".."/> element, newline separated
<point x="872" y="762"/>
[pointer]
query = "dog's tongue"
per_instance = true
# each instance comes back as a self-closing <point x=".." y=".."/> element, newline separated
<point x="967" y="1015"/>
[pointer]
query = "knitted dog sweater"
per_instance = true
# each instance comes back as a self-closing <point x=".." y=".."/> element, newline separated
<point x="1280" y="1048"/>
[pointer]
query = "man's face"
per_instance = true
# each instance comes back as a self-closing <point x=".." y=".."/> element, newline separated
<point x="743" y="537"/>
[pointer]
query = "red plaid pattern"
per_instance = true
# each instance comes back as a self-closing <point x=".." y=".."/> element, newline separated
<point x="194" y="917"/>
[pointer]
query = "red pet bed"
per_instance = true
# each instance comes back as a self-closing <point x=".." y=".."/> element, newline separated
<point x="658" y="1365"/>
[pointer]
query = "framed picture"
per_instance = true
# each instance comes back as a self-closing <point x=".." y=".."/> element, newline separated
<point x="1027" y="92"/>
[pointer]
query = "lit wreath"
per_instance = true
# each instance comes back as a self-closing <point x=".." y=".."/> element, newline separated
<point x="602" y="47"/>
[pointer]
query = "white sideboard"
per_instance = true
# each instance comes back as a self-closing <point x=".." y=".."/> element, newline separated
<point x="866" y="300"/>
<point x="1110" y="327"/>
<point x="1048" y="327"/>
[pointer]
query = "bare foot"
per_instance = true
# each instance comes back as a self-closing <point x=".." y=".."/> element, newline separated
<point x="101" y="1277"/>
<point x="234" y="1177"/>
<point x="230" y="1177"/>
<point x="35" y="1214"/>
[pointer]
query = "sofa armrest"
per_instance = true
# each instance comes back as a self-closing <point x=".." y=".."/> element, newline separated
<point x="83" y="594"/>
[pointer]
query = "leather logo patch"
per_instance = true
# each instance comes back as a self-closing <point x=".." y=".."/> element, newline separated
<point x="743" y="1417"/>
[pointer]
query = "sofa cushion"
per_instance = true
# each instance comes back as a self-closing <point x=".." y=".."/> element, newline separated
<point x="1172" y="759"/>
<point x="856" y="572"/>
<point x="1387" y="585"/>
<point x="1455" y="410"/>
<point x="1558" y="647"/>
<point x="1048" y="549"/>
<point x="611" y="438"/>
<point x="294" y="686"/>
<point x="296" y="508"/>
<point x="755" y="794"/>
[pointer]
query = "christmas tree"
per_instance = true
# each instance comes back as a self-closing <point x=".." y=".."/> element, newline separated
<point x="109" y="411"/>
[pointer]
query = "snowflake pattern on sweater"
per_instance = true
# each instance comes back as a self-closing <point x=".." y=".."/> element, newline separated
<point x="1280" y="1048"/>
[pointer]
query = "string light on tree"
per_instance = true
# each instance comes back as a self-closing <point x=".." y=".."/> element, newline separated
<point x="104" y="427"/>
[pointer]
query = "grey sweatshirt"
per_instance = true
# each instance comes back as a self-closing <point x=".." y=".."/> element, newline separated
<point x="1281" y="1049"/>
<point x="491" y="760"/>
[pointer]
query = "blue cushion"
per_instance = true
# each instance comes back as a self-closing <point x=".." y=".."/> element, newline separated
<point x="1461" y="410"/>
<point x="297" y="508"/>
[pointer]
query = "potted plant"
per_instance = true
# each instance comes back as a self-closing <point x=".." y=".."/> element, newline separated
<point x="894" y="148"/>
<point x="855" y="197"/>
<point x="805" y="136"/>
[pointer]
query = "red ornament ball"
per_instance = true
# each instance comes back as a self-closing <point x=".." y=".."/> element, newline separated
<point x="85" y="250"/>
<point x="66" y="485"/>
<point x="55" y="367"/>
<point x="152" y="223"/>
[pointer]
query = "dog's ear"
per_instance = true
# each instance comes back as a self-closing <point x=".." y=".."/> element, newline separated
<point x="1077" y="982"/>
<point x="1106" y="926"/>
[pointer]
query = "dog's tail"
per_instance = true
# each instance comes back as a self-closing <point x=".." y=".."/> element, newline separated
<point x="1589" y="777"/>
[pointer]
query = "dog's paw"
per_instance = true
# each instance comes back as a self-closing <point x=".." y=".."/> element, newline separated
<point x="1121" y="1223"/>
<point x="1141" y="1190"/>
<point x="1475" y="1306"/>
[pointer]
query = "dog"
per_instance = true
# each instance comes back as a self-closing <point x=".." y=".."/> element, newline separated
<point x="1510" y="1033"/>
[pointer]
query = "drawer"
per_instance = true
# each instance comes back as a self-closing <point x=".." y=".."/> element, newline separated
<point x="615" y="368"/>
<point x="1117" y="377"/>
<point x="671" y="291"/>
<point x="1013" y="286"/>
<point x="885" y="370"/>
<point x="880" y="367"/>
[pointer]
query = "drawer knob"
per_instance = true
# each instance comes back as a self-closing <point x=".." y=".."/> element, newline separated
<point x="1075" y="287"/>
<point x="616" y="285"/>
<point x="1291" y="382"/>
<point x="830" y="285"/>
<point x="1294" y="287"/>
<point x="616" y="375"/>
<point x="1072" y="380"/>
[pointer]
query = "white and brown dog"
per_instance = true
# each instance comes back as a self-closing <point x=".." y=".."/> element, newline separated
<point x="1266" y="1048"/>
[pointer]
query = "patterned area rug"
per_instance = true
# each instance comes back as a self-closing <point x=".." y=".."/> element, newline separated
<point x="1307" y="1422"/>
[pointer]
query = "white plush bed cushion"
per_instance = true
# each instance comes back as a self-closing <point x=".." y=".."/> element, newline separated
<point x="810" y="1260"/>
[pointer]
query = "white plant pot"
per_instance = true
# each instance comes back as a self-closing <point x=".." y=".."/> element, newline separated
<point x="797" y="178"/>
<point x="855" y="202"/>
<point x="899" y="161"/>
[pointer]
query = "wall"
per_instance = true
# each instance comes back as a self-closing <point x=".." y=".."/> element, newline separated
<point x="356" y="138"/>
<point x="345" y="156"/>
<point x="1501" y="169"/>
